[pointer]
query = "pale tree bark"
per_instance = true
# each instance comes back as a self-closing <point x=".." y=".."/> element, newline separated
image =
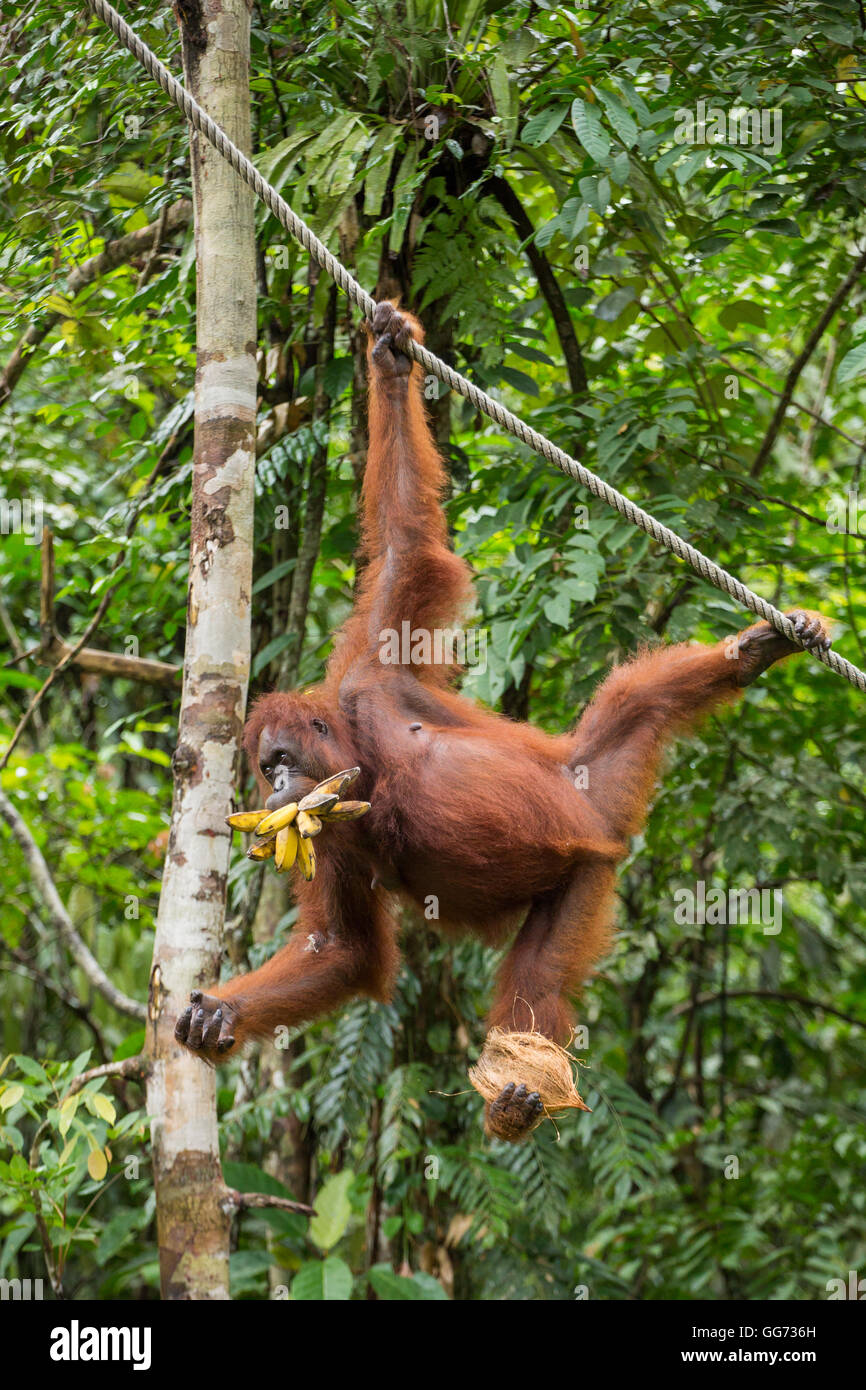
<point x="193" y="1204"/>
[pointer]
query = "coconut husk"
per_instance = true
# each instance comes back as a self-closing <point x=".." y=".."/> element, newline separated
<point x="533" y="1059"/>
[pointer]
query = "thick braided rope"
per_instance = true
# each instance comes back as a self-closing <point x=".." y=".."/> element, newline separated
<point x="707" y="569"/>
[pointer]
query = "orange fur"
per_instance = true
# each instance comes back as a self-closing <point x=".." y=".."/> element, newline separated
<point x="471" y="812"/>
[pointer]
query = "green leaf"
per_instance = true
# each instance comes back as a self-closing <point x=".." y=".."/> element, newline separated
<point x="337" y="376"/>
<point x="695" y="161"/>
<point x="742" y="311"/>
<point x="270" y="650"/>
<point x="248" y="1177"/>
<point x="620" y="118"/>
<point x="130" y="1047"/>
<point x="271" y="577"/>
<point x="30" y="1068"/>
<point x="613" y="304"/>
<point x="333" y="1210"/>
<point x="328" y="1280"/>
<point x="67" y="1112"/>
<point x="505" y="96"/>
<point x="620" y="168"/>
<point x="589" y="130"/>
<point x="22" y="680"/>
<point x="519" y="380"/>
<point x="119" y="1229"/>
<point x="11" y="1096"/>
<point x="276" y="164"/>
<point x="557" y="610"/>
<point x="853" y="363"/>
<point x="378" y="167"/>
<point x="103" y="1107"/>
<point x="393" y="1287"/>
<point x="543" y="124"/>
<point x="780" y="226"/>
<point x="404" y="192"/>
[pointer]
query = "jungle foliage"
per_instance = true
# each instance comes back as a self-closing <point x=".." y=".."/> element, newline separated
<point x="511" y="169"/>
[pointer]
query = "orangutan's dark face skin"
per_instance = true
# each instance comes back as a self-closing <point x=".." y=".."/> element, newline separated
<point x="286" y="767"/>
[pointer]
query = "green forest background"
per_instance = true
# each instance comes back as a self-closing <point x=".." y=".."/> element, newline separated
<point x="654" y="307"/>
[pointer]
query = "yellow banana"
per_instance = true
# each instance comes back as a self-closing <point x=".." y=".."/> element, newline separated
<point x="318" y="801"/>
<point x="287" y="834"/>
<point x="276" y="820"/>
<point x="338" y="782"/>
<point x="286" y="848"/>
<point x="245" y="820"/>
<point x="347" y="810"/>
<point x="308" y="825"/>
<point x="306" y="859"/>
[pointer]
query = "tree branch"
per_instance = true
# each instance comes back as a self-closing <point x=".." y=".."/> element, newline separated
<point x="72" y="652"/>
<point x="798" y="405"/>
<point x="59" y="917"/>
<point x="53" y="650"/>
<point x="235" y="1201"/>
<point x="115" y="253"/>
<point x="785" y="996"/>
<point x="129" y="1069"/>
<point x="830" y="309"/>
<point x="29" y="972"/>
<point x="547" y="283"/>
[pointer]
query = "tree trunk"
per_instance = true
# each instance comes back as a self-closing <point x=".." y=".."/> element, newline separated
<point x="193" y="1214"/>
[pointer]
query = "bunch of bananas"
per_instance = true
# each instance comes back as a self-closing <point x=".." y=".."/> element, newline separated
<point x="287" y="835"/>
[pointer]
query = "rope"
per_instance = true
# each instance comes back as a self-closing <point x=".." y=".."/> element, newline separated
<point x="707" y="569"/>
